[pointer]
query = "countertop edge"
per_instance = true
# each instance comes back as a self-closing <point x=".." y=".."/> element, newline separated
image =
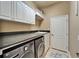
<point x="21" y="32"/>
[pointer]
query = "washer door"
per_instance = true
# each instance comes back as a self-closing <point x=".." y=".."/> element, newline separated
<point x="28" y="50"/>
<point x="41" y="49"/>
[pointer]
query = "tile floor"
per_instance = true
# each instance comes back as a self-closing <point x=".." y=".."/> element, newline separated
<point x="56" y="54"/>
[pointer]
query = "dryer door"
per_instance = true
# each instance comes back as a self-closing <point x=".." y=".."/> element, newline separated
<point x="28" y="54"/>
<point x="41" y="49"/>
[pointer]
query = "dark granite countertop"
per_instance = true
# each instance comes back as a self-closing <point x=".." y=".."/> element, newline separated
<point x="17" y="38"/>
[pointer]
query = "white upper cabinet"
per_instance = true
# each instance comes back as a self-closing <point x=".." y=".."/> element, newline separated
<point x="17" y="11"/>
<point x="30" y="15"/>
<point x="14" y="7"/>
<point x="5" y="9"/>
<point x="25" y="13"/>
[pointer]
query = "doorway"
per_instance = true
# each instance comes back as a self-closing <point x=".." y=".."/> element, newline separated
<point x="59" y="32"/>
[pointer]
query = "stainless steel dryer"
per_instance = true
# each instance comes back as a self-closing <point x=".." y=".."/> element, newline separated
<point x="24" y="51"/>
<point x="39" y="47"/>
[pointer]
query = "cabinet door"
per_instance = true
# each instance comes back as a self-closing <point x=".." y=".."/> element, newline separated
<point x="5" y="9"/>
<point x="14" y="9"/>
<point x="28" y="14"/>
<point x="17" y="11"/>
<point x="19" y="14"/>
<point x="22" y="13"/>
<point x="32" y="16"/>
<point x="25" y="13"/>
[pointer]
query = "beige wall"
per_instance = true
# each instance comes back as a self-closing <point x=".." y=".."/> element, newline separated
<point x="7" y="26"/>
<point x="74" y="31"/>
<point x="57" y="9"/>
<point x="61" y="8"/>
<point x="44" y="25"/>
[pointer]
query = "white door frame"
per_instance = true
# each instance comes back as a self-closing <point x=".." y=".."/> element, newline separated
<point x="68" y="31"/>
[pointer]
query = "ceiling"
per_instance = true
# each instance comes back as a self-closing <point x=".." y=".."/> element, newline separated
<point x="44" y="4"/>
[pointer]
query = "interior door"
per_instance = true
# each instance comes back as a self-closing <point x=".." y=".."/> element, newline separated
<point x="59" y="32"/>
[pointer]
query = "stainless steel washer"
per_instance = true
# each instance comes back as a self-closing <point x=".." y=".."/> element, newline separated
<point x="28" y="50"/>
<point x="39" y="47"/>
<point x="24" y="51"/>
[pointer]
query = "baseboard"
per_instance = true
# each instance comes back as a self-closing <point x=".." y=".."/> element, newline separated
<point x="59" y="50"/>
